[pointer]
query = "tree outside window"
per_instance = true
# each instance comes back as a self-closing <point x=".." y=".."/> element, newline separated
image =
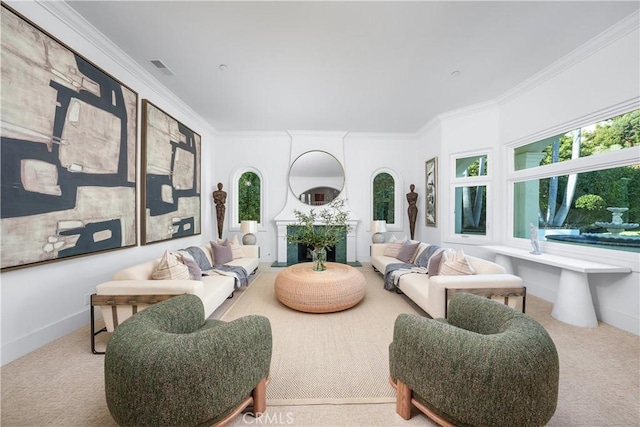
<point x="249" y="197"/>
<point x="384" y="198"/>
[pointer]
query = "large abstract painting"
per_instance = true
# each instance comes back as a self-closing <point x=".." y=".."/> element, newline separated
<point x="68" y="151"/>
<point x="171" y="171"/>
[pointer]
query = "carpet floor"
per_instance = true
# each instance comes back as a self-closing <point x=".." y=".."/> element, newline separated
<point x="61" y="384"/>
<point x="334" y="358"/>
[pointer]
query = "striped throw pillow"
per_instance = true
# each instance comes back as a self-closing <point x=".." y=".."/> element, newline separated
<point x="455" y="264"/>
<point x="170" y="268"/>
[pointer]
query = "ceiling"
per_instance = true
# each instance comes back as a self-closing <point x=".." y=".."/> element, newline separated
<point x="345" y="66"/>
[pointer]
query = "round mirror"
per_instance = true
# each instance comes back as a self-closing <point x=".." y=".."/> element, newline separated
<point x="316" y="178"/>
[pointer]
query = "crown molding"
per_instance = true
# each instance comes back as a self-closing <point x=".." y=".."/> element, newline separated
<point x="251" y="134"/>
<point x="80" y="26"/>
<point x="382" y="135"/>
<point x="602" y="40"/>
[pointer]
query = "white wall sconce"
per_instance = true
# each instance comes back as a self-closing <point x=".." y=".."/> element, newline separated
<point x="248" y="228"/>
<point x="377" y="228"/>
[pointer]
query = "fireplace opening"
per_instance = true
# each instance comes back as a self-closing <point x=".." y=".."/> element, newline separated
<point x="304" y="253"/>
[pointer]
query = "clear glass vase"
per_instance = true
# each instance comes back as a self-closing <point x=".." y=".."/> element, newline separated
<point x="319" y="258"/>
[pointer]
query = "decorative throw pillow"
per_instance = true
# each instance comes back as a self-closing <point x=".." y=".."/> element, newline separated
<point x="419" y="250"/>
<point x="236" y="247"/>
<point x="195" y="272"/>
<point x="222" y="254"/>
<point x="455" y="264"/>
<point x="433" y="266"/>
<point x="407" y="252"/>
<point x="392" y="249"/>
<point x="170" y="268"/>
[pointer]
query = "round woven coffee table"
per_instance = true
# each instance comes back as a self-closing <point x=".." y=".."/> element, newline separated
<point x="337" y="288"/>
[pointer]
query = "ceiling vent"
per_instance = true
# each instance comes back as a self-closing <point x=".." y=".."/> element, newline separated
<point x="163" y="68"/>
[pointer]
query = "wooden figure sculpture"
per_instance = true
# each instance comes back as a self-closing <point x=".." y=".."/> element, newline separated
<point x="412" y="198"/>
<point x="220" y="197"/>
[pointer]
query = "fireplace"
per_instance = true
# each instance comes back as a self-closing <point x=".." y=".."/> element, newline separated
<point x="304" y="253"/>
<point x="299" y="252"/>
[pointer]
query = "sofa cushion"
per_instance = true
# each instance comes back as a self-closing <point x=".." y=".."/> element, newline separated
<point x="407" y="252"/>
<point x="170" y="268"/>
<point x="222" y="254"/>
<point x="455" y="264"/>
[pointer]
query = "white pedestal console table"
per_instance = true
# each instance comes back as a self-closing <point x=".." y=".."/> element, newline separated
<point x="573" y="304"/>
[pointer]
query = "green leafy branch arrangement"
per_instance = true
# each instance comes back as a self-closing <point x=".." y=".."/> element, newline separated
<point x="321" y="229"/>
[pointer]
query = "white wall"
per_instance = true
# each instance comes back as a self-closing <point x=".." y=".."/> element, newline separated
<point x="270" y="154"/>
<point x="600" y="77"/>
<point x="40" y="304"/>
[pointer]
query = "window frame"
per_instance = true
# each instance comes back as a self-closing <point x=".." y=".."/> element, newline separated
<point x="398" y="224"/>
<point x="606" y="160"/>
<point x="456" y="182"/>
<point x="234" y="222"/>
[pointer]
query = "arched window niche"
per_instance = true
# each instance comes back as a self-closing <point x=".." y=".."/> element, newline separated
<point x="386" y="198"/>
<point x="248" y="197"/>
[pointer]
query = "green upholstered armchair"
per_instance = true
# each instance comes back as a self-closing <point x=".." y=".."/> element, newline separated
<point x="167" y="366"/>
<point x="485" y="365"/>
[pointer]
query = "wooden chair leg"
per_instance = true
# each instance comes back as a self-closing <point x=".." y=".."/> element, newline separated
<point x="403" y="400"/>
<point x="259" y="395"/>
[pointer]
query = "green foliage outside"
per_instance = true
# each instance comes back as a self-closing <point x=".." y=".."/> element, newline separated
<point x="478" y="168"/>
<point x="249" y="197"/>
<point x="383" y="198"/>
<point x="597" y="190"/>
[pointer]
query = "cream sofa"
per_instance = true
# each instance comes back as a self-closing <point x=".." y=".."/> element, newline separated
<point x="132" y="289"/>
<point x="432" y="293"/>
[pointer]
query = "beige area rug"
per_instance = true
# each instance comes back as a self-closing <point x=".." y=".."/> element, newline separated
<point x="333" y="358"/>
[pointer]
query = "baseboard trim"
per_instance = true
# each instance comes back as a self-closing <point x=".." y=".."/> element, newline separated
<point x="33" y="341"/>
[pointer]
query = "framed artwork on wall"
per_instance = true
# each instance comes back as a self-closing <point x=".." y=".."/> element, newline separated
<point x="171" y="177"/>
<point x="431" y="199"/>
<point x="68" y="151"/>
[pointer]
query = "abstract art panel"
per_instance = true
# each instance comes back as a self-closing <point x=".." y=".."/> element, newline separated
<point x="171" y="171"/>
<point x="68" y="151"/>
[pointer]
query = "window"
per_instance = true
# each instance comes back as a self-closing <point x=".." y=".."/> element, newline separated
<point x="383" y="198"/>
<point x="582" y="187"/>
<point x="470" y="189"/>
<point x="471" y="210"/>
<point x="386" y="201"/>
<point x="471" y="166"/>
<point x="248" y="196"/>
<point x="601" y="137"/>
